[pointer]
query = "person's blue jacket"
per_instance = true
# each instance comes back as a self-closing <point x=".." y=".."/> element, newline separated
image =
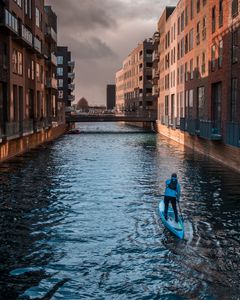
<point x="173" y="193"/>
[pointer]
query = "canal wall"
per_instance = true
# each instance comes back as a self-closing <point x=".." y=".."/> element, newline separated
<point x="11" y="148"/>
<point x="225" y="154"/>
<point x="145" y="125"/>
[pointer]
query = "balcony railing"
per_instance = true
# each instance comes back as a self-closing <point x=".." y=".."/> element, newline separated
<point x="51" y="32"/>
<point x="233" y="134"/>
<point x="71" y="86"/>
<point x="26" y="35"/>
<point x="12" y="129"/>
<point x="71" y="97"/>
<point x="10" y="21"/>
<point x="71" y="64"/>
<point x="71" y="75"/>
<point x="27" y="127"/>
<point x="210" y="130"/>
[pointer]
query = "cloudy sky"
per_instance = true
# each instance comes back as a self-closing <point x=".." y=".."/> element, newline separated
<point x="100" y="34"/>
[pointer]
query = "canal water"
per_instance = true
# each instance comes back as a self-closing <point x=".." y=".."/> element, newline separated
<point x="79" y="220"/>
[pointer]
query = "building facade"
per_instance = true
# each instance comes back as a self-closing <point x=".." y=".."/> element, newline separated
<point x="199" y="71"/>
<point x="28" y="37"/>
<point x="65" y="77"/>
<point x="134" y="86"/>
<point x="111" y="96"/>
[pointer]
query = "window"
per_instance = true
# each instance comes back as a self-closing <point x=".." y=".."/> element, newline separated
<point x="60" y="71"/>
<point x="235" y="46"/>
<point x="20" y="63"/>
<point x="191" y="40"/>
<point x="191" y="69"/>
<point x="213" y="54"/>
<point x="234" y="95"/>
<point x="60" y="94"/>
<point x="28" y="8"/>
<point x="60" y="83"/>
<point x="182" y="47"/>
<point x="179" y="25"/>
<point x="182" y="21"/>
<point x="181" y="73"/>
<point x="14" y="61"/>
<point x="198" y="6"/>
<point x="186" y="71"/>
<point x="38" y="18"/>
<point x="32" y="70"/>
<point x="204" y="30"/>
<point x="213" y="19"/>
<point x="198" y="34"/>
<point x="234" y="8"/>
<point x="204" y="2"/>
<point x="220" y="13"/>
<point x="192" y="9"/>
<point x="38" y="72"/>
<point x="197" y="67"/>
<point x="201" y="103"/>
<point x="186" y="16"/>
<point x="5" y="55"/>
<point x="166" y="106"/>
<point x="220" y="54"/>
<point x="203" y="63"/>
<point x="186" y="43"/>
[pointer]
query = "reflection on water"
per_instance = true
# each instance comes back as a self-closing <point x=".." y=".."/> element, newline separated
<point x="79" y="220"/>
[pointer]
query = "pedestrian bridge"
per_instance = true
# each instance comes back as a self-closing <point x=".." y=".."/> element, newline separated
<point x="136" y="117"/>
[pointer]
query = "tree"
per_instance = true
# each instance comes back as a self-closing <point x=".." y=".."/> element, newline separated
<point x="82" y="105"/>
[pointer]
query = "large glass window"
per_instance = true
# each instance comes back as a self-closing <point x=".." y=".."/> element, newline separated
<point x="60" y="60"/>
<point x="38" y="20"/>
<point x="201" y="103"/>
<point x="220" y="54"/>
<point x="234" y="94"/>
<point x="235" y="46"/>
<point x="60" y="71"/>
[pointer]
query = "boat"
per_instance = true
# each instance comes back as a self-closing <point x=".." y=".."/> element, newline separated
<point x="175" y="228"/>
<point x="74" y="131"/>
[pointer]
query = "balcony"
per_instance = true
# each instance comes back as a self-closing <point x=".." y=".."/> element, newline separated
<point x="71" y="97"/>
<point x="26" y="35"/>
<point x="52" y="83"/>
<point x="210" y="130"/>
<point x="10" y="21"/>
<point x="27" y="127"/>
<point x="37" y="45"/>
<point x="12" y="130"/>
<point x="233" y="134"/>
<point x="71" y="86"/>
<point x="71" y="75"/>
<point x="71" y="64"/>
<point x="51" y="33"/>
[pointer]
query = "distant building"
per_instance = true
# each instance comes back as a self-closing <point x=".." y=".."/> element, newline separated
<point x="111" y="96"/>
<point x="65" y="76"/>
<point x="134" y="91"/>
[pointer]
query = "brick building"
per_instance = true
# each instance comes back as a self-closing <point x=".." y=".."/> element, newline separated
<point x="28" y="38"/>
<point x="134" y="84"/>
<point x="65" y="76"/>
<point x="199" y="70"/>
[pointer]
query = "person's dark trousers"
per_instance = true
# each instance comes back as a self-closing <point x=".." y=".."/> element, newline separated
<point x="173" y="201"/>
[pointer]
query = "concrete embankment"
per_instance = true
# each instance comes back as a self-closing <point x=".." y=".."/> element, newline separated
<point x="217" y="150"/>
<point x="11" y="148"/>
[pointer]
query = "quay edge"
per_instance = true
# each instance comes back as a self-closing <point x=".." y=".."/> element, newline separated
<point x="11" y="148"/>
<point x="223" y="153"/>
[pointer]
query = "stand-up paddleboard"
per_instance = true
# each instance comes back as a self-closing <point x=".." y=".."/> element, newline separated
<point x="175" y="228"/>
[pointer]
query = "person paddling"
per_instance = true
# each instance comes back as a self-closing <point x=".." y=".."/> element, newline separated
<point x="172" y="194"/>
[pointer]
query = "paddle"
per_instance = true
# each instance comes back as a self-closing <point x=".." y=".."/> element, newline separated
<point x="180" y="211"/>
